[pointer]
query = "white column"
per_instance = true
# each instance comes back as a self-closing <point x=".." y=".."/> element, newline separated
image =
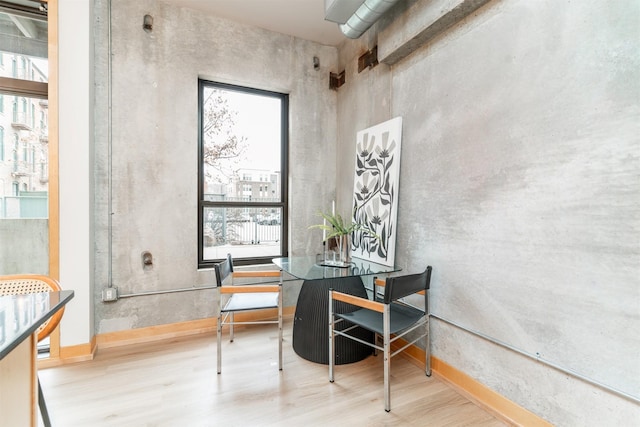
<point x="75" y="49"/>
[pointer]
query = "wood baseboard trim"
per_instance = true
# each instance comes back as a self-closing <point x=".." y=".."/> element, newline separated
<point x="491" y="401"/>
<point x="84" y="352"/>
<point x="483" y="396"/>
<point x="155" y="333"/>
<point x="180" y="329"/>
<point x="70" y="354"/>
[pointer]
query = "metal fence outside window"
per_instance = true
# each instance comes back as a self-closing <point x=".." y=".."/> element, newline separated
<point x="218" y="233"/>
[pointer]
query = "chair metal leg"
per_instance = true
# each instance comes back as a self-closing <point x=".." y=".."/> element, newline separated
<point x="219" y="339"/>
<point x="332" y="323"/>
<point x="377" y="339"/>
<point x="427" y="341"/>
<point x="231" y="326"/>
<point x="43" y="407"/>
<point x="386" y="326"/>
<point x="427" y="348"/>
<point x="280" y="328"/>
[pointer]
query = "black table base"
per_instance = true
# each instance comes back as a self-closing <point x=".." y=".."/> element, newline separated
<point x="311" y="322"/>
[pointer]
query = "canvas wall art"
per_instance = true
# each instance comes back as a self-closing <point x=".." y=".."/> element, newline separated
<point x="375" y="192"/>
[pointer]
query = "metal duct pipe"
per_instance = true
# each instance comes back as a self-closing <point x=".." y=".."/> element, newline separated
<point x="365" y="16"/>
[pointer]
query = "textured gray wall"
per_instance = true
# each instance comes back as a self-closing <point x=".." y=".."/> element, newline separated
<point x="519" y="178"/>
<point x="29" y="248"/>
<point x="154" y="136"/>
<point x="519" y="184"/>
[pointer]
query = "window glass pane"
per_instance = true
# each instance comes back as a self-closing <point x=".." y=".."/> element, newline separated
<point x="24" y="178"/>
<point x="23" y="46"/>
<point x="243" y="232"/>
<point x="241" y="134"/>
<point x="27" y="167"/>
<point x="242" y="147"/>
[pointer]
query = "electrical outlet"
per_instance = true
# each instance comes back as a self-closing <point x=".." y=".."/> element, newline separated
<point x="110" y="294"/>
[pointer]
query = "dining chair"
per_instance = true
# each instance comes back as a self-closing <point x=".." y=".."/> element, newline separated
<point x="23" y="284"/>
<point x="390" y="317"/>
<point x="242" y="297"/>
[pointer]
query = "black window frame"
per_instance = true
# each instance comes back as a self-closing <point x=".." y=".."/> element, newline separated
<point x="283" y="204"/>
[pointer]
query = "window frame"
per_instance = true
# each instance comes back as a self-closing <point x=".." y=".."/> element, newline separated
<point x="283" y="204"/>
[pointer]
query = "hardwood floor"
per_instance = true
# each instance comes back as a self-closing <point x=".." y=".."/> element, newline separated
<point x="174" y="383"/>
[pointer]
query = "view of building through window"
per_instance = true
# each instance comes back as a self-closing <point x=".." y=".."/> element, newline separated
<point x="23" y="143"/>
<point x="242" y="150"/>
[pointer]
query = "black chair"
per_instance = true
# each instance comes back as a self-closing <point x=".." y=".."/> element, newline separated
<point x="391" y="318"/>
<point x="246" y="297"/>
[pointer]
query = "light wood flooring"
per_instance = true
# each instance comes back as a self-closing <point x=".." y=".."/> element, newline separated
<point x="174" y="383"/>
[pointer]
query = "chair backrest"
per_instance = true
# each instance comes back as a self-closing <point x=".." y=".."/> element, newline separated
<point x="402" y="286"/>
<point x="223" y="270"/>
<point x="24" y="284"/>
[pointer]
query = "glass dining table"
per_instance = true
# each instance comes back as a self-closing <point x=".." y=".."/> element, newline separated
<point x="311" y="320"/>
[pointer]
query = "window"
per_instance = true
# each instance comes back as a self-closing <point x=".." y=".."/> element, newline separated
<point x="25" y="56"/>
<point x="243" y="136"/>
<point x="1" y="143"/>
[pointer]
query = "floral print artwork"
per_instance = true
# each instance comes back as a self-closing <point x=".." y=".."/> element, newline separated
<point x="375" y="191"/>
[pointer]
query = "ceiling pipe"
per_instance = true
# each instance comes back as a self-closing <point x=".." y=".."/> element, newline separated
<point x="365" y="16"/>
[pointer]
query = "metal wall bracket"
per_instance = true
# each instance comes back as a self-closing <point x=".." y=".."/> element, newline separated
<point x="368" y="59"/>
<point x="336" y="80"/>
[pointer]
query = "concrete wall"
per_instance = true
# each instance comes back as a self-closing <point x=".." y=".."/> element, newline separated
<point x="29" y="248"/>
<point x="150" y="148"/>
<point x="519" y="177"/>
<point x="519" y="185"/>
